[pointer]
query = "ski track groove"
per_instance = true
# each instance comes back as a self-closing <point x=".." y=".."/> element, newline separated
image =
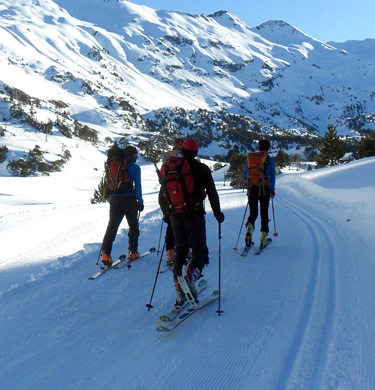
<point x="307" y="333"/>
<point x="71" y="367"/>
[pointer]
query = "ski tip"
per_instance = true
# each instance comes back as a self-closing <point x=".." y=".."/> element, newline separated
<point x="202" y="282"/>
<point x="161" y="328"/>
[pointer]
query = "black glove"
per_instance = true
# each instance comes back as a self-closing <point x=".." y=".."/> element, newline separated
<point x="219" y="217"/>
<point x="140" y="206"/>
<point x="272" y="193"/>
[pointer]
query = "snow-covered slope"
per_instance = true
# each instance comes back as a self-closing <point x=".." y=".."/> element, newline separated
<point x="298" y="316"/>
<point x="84" y="53"/>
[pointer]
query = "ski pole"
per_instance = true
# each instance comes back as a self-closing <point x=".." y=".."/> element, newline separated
<point x="244" y="215"/>
<point x="161" y="230"/>
<point x="149" y="305"/>
<point x="274" y="219"/>
<point x="219" y="311"/>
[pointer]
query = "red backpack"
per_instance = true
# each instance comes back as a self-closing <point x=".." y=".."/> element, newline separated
<point x="116" y="172"/>
<point x="255" y="169"/>
<point x="178" y="185"/>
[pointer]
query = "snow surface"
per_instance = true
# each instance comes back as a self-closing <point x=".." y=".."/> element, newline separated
<point x="300" y="316"/>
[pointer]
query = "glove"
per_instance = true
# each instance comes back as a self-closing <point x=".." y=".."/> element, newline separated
<point x="272" y="193"/>
<point x="219" y="217"/>
<point x="140" y="206"/>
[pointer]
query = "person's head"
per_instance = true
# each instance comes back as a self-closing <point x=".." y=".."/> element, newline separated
<point x="131" y="153"/>
<point x="177" y="143"/>
<point x="264" y="145"/>
<point x="190" y="148"/>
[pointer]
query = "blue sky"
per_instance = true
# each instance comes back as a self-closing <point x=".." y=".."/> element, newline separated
<point x="329" y="20"/>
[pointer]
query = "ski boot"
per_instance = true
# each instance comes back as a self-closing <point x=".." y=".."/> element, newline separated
<point x="133" y="256"/>
<point x="249" y="234"/>
<point x="192" y="275"/>
<point x="180" y="296"/>
<point x="263" y="240"/>
<point x="171" y="254"/>
<point x="106" y="259"/>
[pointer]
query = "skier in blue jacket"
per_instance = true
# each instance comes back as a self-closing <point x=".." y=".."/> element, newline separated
<point x="260" y="194"/>
<point x="125" y="204"/>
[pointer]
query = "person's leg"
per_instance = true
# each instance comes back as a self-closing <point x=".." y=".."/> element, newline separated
<point x="253" y="197"/>
<point x="196" y="231"/>
<point x="115" y="217"/>
<point x="131" y="213"/>
<point x="182" y="244"/>
<point x="264" y="201"/>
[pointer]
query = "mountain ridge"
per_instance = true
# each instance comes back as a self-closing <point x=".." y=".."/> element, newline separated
<point x="273" y="74"/>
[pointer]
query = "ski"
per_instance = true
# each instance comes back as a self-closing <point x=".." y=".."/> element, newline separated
<point x="201" y="285"/>
<point x="169" y="326"/>
<point x="102" y="271"/>
<point x="129" y="261"/>
<point x="261" y="248"/>
<point x="246" y="249"/>
<point x="121" y="262"/>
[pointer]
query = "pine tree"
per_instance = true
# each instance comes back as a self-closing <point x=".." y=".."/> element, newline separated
<point x="282" y="159"/>
<point x="101" y="193"/>
<point x="366" y="148"/>
<point x="236" y="168"/>
<point x="332" y="148"/>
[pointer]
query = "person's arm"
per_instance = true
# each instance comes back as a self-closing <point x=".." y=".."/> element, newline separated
<point x="272" y="174"/>
<point x="245" y="172"/>
<point x="212" y="194"/>
<point x="137" y="183"/>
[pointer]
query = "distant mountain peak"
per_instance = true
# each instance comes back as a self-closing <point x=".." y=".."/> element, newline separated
<point x="225" y="16"/>
<point x="277" y="25"/>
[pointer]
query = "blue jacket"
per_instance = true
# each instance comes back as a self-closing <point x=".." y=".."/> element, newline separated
<point x="134" y="172"/>
<point x="270" y="172"/>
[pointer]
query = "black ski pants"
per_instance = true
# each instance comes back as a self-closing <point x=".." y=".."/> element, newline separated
<point x="120" y="206"/>
<point x="169" y="236"/>
<point x="259" y="195"/>
<point x="189" y="232"/>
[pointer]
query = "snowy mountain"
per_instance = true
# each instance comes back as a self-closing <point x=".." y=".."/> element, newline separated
<point x="105" y="63"/>
<point x="298" y="316"/>
<point x="74" y="75"/>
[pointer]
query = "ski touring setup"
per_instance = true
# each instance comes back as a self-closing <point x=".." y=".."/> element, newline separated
<point x="172" y="314"/>
<point x="129" y="261"/>
<point x="261" y="247"/>
<point x="102" y="271"/>
<point x="246" y="249"/>
<point x="121" y="262"/>
<point x="191" y="295"/>
<point x="186" y="312"/>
